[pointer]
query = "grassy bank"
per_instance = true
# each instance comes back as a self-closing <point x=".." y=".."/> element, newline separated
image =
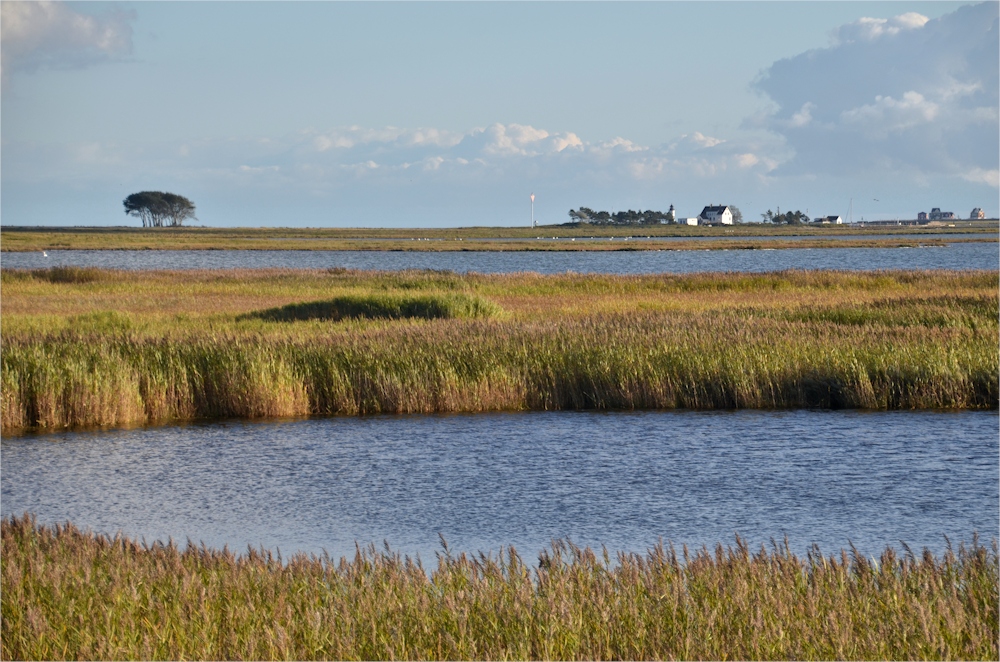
<point x="87" y="347"/>
<point x="69" y="594"/>
<point x="551" y="238"/>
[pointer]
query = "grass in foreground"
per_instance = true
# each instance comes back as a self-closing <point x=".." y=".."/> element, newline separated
<point x="88" y="347"/>
<point x="69" y="594"/>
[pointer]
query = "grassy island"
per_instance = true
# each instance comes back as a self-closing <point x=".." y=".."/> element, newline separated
<point x="72" y="594"/>
<point x="545" y="238"/>
<point x="91" y="347"/>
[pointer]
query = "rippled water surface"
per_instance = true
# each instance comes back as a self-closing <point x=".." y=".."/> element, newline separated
<point x="482" y="481"/>
<point x="952" y="256"/>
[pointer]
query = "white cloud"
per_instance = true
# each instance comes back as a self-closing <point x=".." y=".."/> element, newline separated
<point x="888" y="115"/>
<point x="980" y="176"/>
<point x="356" y="136"/>
<point x="870" y="29"/>
<point x="803" y="117"/>
<point x="259" y="169"/>
<point x="330" y="159"/>
<point x="34" y="35"/>
<point x="902" y="96"/>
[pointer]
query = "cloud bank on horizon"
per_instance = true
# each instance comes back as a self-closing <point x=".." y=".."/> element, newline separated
<point x="908" y="101"/>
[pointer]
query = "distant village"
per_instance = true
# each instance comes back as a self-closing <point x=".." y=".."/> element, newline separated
<point x="729" y="215"/>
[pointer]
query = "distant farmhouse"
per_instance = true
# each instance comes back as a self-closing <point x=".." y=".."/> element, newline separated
<point x="716" y="215"/>
<point x="976" y="214"/>
<point x="836" y="220"/>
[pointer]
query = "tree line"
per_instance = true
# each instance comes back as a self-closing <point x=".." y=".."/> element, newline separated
<point x="630" y="217"/>
<point x="157" y="209"/>
<point x="788" y="218"/>
<point x="649" y="217"/>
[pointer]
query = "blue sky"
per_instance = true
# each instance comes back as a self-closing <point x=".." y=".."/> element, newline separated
<point x="449" y="114"/>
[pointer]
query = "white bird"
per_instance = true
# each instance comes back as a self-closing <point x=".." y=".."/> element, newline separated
<point x="44" y="254"/>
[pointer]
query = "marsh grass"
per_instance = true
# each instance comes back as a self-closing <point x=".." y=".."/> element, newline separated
<point x="73" y="594"/>
<point x="126" y="349"/>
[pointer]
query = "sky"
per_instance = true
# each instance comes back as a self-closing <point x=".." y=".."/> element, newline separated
<point x="385" y="114"/>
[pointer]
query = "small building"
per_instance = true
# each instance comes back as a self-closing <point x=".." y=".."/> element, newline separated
<point x="976" y="214"/>
<point x="922" y="216"/>
<point x="938" y="215"/>
<point x="716" y="215"/>
<point x="687" y="221"/>
<point x="826" y="220"/>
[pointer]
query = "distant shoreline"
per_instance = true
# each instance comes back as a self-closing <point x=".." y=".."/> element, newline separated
<point x="544" y="238"/>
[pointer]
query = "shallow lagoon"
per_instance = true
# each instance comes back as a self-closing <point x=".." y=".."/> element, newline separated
<point x="953" y="256"/>
<point x="620" y="479"/>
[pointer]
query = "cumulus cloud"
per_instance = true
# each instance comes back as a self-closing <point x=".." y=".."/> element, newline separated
<point x="34" y="35"/>
<point x="899" y="95"/>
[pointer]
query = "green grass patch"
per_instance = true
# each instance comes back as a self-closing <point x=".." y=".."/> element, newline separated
<point x="382" y="306"/>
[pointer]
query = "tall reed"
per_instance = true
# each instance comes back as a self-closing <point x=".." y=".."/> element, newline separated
<point x="73" y="594"/>
<point x="880" y="341"/>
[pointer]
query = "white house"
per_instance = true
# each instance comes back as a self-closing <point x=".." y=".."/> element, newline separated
<point x="977" y="213"/>
<point x="687" y="221"/>
<point x="717" y="214"/>
<point x="836" y="220"/>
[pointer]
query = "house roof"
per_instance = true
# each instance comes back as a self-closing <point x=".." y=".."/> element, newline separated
<point x="716" y="209"/>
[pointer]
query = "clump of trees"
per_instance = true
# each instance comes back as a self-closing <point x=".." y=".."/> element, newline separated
<point x="788" y="218"/>
<point x="630" y="217"/>
<point x="588" y="216"/>
<point x="157" y="209"/>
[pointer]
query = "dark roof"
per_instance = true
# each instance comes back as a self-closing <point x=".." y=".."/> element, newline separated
<point x="718" y="209"/>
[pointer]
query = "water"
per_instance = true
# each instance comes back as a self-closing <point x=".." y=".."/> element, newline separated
<point x="482" y="481"/>
<point x="952" y="256"/>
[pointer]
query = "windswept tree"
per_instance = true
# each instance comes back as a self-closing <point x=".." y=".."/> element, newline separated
<point x="157" y="209"/>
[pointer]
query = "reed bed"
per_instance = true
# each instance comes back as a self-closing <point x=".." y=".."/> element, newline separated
<point x="139" y="348"/>
<point x="70" y="594"/>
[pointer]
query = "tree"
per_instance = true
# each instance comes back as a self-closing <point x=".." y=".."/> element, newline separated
<point x="157" y="209"/>
<point x="737" y="214"/>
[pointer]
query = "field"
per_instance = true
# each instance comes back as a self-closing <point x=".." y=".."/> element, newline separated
<point x="71" y="594"/>
<point x="89" y="347"/>
<point x="546" y="238"/>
